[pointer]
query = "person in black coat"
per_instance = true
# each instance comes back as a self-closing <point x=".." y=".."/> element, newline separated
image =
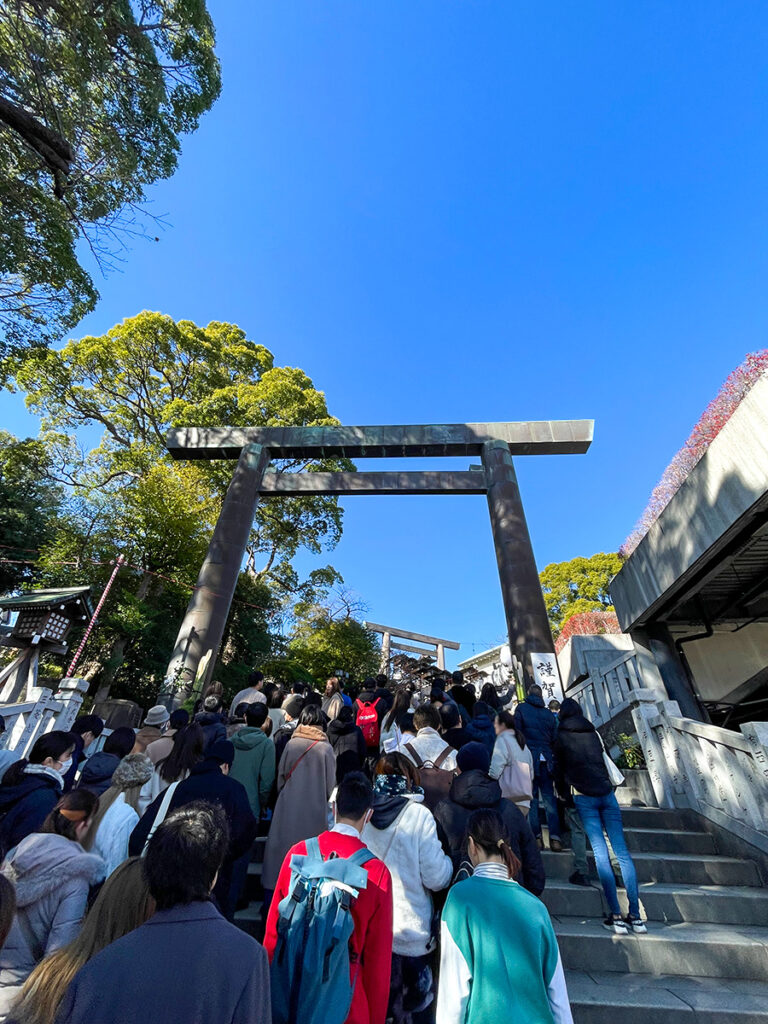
<point x="348" y="744"/>
<point x="32" y="787"/>
<point x="212" y="720"/>
<point x="209" y="780"/>
<point x="473" y="789"/>
<point x="580" y="768"/>
<point x="454" y="732"/>
<point x="539" y="726"/>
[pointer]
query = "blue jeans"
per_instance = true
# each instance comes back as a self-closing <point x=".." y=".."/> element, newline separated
<point x="603" y="812"/>
<point x="542" y="783"/>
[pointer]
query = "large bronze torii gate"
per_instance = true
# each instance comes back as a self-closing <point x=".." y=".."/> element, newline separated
<point x="254" y="448"/>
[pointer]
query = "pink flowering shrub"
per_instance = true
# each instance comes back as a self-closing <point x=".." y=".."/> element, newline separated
<point x="587" y="624"/>
<point x="712" y="421"/>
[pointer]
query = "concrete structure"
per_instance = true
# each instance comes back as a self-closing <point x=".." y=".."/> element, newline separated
<point x="391" y="637"/>
<point x="586" y="655"/>
<point x="694" y="594"/>
<point x="201" y="632"/>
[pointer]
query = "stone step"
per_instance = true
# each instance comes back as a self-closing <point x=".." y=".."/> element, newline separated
<point x="249" y="920"/>
<point x="698" y="950"/>
<point x="655" y="817"/>
<point x="655" y="840"/>
<point x="705" y="904"/>
<point x="604" y="998"/>
<point x="672" y="868"/>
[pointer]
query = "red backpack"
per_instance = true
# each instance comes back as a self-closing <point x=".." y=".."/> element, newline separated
<point x="368" y="720"/>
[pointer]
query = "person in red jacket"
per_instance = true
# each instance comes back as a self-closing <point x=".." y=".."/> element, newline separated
<point x="371" y="942"/>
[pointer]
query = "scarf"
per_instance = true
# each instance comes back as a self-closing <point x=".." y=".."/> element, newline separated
<point x="44" y="769"/>
<point x="394" y="785"/>
<point x="309" y="732"/>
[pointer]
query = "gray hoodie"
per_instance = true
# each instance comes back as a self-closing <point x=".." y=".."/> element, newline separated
<point x="52" y="876"/>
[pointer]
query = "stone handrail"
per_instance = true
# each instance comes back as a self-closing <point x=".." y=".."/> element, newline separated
<point x="604" y="694"/>
<point x="43" y="712"/>
<point x="721" y="774"/>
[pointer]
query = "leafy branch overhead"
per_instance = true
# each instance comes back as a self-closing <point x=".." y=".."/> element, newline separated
<point x="123" y="391"/>
<point x="94" y="98"/>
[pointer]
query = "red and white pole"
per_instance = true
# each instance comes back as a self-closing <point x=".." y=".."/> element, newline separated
<point x="92" y="623"/>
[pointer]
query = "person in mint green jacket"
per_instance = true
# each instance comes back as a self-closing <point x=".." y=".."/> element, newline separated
<point x="254" y="763"/>
<point x="499" y="958"/>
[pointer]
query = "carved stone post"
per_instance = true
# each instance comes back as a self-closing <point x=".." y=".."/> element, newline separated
<point x="385" y="653"/>
<point x="203" y="626"/>
<point x="524" y="607"/>
<point x="647" y="718"/>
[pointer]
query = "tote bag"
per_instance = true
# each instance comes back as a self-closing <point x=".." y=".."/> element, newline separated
<point x="516" y="783"/>
<point x="614" y="773"/>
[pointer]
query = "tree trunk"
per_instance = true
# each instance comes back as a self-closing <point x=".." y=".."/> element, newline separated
<point x="117" y="655"/>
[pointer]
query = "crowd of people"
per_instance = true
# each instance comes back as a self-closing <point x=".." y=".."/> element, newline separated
<point x="402" y="869"/>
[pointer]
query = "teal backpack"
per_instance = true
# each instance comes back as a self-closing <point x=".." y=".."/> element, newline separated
<point x="310" y="973"/>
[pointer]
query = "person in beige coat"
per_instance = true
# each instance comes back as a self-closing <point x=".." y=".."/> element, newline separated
<point x="305" y="780"/>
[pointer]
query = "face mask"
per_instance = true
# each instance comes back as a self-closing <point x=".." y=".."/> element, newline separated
<point x="65" y="766"/>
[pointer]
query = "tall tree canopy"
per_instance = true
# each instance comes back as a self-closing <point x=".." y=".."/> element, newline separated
<point x="324" y="644"/>
<point x="30" y="508"/>
<point x="580" y="585"/>
<point x="94" y="97"/>
<point x="126" y="495"/>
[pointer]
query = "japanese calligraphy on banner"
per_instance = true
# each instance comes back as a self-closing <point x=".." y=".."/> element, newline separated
<point x="547" y="675"/>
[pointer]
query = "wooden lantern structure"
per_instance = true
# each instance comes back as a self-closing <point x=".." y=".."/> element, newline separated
<point x="44" y="620"/>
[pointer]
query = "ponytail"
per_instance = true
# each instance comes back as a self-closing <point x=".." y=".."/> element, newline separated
<point x="507" y="719"/>
<point x="74" y="808"/>
<point x="488" y="831"/>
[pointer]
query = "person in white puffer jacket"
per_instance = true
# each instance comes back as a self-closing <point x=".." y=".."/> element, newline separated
<point x="118" y="810"/>
<point x="402" y="833"/>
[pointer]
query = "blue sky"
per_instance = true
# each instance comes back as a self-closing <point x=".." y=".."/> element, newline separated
<point x="448" y="211"/>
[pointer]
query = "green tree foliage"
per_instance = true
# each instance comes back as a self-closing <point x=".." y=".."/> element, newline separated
<point x="29" y="508"/>
<point x="126" y="495"/>
<point x="580" y="585"/>
<point x="327" y="638"/>
<point x="94" y="97"/>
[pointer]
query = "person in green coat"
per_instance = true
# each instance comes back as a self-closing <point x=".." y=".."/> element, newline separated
<point x="499" y="958"/>
<point x="254" y="763"/>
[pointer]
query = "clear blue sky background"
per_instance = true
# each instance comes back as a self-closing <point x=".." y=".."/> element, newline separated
<point x="448" y="211"/>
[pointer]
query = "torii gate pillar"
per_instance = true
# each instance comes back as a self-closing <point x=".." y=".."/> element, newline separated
<point x="524" y="608"/>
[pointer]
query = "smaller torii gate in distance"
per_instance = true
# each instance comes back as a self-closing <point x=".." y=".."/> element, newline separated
<point x="255" y="447"/>
<point x="389" y="633"/>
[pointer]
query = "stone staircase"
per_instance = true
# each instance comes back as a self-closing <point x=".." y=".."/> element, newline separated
<point x="249" y="916"/>
<point x="705" y="957"/>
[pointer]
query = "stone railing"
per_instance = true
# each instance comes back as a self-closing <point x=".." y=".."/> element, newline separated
<point x="42" y="713"/>
<point x="606" y="693"/>
<point x="721" y="774"/>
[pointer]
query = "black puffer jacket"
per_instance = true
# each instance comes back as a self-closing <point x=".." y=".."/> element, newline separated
<point x="469" y="792"/>
<point x="579" y="755"/>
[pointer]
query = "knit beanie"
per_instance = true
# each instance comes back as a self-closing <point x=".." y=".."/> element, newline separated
<point x="293" y="706"/>
<point x="474" y="755"/>
<point x="133" y="770"/>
